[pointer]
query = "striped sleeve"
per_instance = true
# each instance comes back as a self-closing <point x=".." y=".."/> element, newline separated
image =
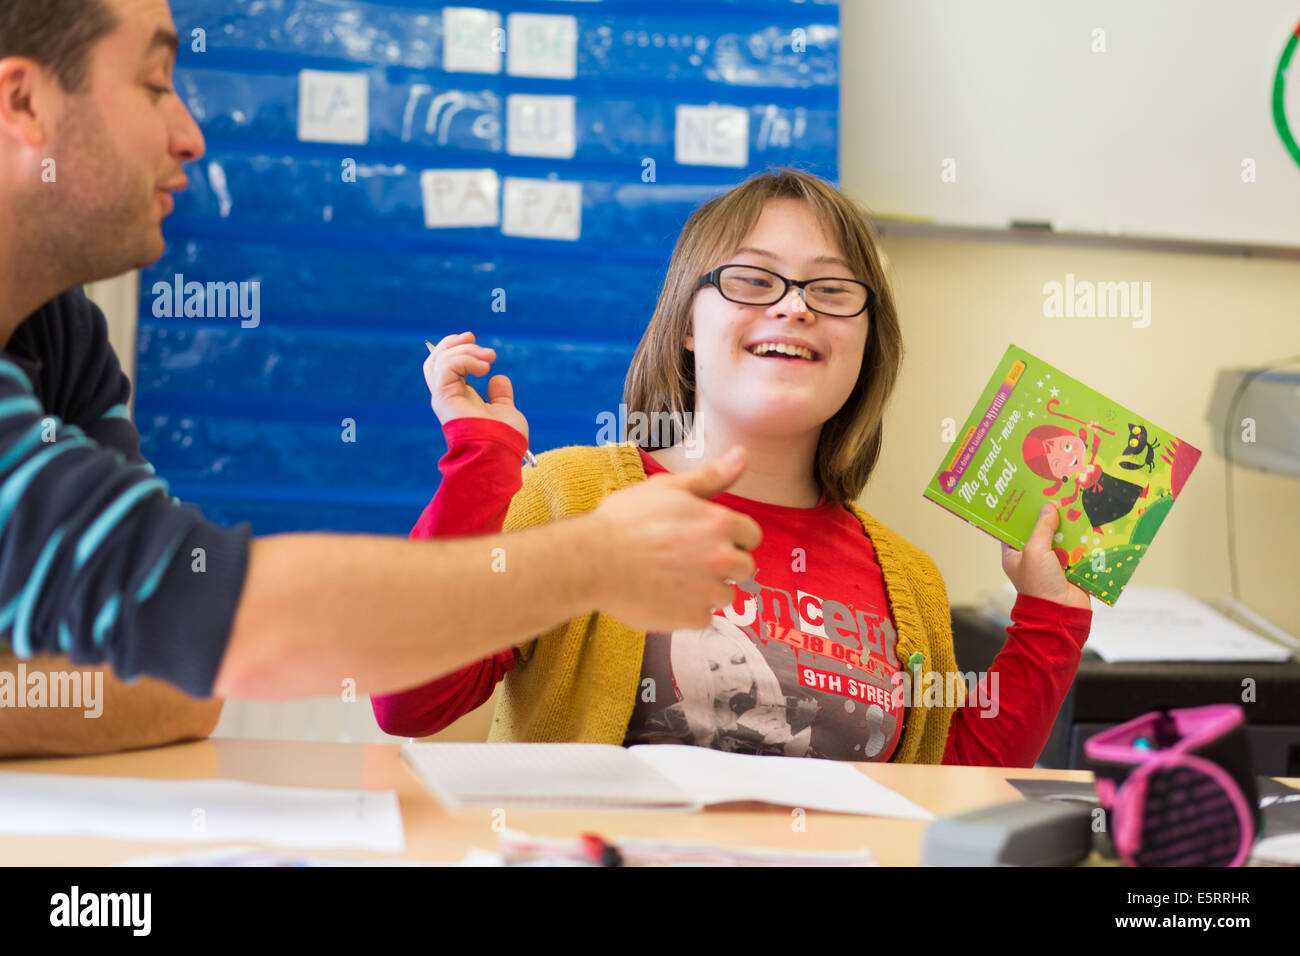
<point x="93" y="392"/>
<point x="98" y="562"/>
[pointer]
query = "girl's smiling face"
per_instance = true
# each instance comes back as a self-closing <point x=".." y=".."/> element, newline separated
<point x="777" y="394"/>
<point x="1064" y="455"/>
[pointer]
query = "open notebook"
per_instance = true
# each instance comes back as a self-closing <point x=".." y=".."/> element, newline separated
<point x="647" y="777"/>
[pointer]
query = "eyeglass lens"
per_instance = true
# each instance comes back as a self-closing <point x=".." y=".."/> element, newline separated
<point x="750" y="285"/>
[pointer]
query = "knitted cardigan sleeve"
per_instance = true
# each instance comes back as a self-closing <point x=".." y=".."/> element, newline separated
<point x="939" y="657"/>
<point x="578" y="681"/>
<point x="919" y="603"/>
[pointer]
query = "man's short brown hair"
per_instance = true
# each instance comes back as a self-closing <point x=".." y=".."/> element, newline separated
<point x="57" y="34"/>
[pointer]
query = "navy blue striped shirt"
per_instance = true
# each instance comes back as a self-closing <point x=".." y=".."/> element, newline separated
<point x="97" y="560"/>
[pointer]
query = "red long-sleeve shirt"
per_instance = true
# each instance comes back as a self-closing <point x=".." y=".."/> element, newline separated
<point x="480" y="474"/>
<point x="1029" y="678"/>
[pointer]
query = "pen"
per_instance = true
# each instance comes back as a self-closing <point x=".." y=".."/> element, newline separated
<point x="528" y="455"/>
<point x="599" y="851"/>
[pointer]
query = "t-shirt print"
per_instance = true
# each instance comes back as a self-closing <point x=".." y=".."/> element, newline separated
<point x="767" y="678"/>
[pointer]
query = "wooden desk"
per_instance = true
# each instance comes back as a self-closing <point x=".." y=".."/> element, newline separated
<point x="436" y="834"/>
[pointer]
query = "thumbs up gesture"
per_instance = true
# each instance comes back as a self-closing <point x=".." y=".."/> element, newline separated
<point x="671" y="556"/>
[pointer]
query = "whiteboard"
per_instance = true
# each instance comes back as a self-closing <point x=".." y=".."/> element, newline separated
<point x="983" y="113"/>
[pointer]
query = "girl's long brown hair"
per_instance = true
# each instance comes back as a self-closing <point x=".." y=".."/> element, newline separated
<point x="661" y="379"/>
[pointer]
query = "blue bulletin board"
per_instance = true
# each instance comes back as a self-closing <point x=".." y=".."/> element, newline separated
<point x="381" y="173"/>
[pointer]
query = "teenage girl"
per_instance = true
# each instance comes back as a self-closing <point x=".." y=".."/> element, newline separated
<point x="776" y="329"/>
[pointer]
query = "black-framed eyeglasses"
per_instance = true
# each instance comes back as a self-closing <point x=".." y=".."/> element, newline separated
<point x="751" y="285"/>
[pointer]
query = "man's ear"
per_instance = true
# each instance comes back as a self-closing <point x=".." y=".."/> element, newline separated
<point x="26" y="101"/>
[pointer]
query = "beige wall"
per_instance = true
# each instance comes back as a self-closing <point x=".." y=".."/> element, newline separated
<point x="119" y="300"/>
<point x="963" y="302"/>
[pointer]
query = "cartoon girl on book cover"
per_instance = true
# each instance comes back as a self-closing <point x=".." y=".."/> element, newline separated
<point x="1056" y="453"/>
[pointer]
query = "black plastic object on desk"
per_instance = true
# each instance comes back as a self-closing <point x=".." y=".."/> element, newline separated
<point x="1015" y="833"/>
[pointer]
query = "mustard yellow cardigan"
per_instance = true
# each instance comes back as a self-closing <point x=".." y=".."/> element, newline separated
<point x="578" y="682"/>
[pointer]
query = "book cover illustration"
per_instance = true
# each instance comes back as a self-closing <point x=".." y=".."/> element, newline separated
<point x="1038" y="436"/>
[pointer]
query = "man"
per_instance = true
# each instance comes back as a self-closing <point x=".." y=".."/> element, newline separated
<point x="97" y="562"/>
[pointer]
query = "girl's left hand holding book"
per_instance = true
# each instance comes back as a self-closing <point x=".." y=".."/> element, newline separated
<point x="1036" y="571"/>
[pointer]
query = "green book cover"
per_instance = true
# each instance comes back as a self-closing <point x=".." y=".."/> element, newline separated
<point x="1038" y="436"/>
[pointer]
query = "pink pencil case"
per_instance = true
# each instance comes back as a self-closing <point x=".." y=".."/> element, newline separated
<point x="1178" y="787"/>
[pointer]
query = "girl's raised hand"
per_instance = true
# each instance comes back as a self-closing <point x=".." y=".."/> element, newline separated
<point x="450" y="394"/>
<point x="1036" y="571"/>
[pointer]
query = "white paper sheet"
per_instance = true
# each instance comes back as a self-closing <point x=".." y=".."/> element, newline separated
<point x="256" y="856"/>
<point x="333" y="107"/>
<point x="200" y="811"/>
<point x="1164" y="624"/>
<point x="542" y="44"/>
<point x="541" y="125"/>
<point x="711" y="135"/>
<point x="717" y="777"/>
<point x="541" y="208"/>
<point x="464" y="774"/>
<point x="472" y="40"/>
<point x="1280" y="850"/>
<point x="645" y="777"/>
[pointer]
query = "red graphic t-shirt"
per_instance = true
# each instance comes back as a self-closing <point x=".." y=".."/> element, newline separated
<point x="801" y="664"/>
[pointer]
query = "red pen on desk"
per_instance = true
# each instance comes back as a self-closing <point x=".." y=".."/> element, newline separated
<point x="601" y="852"/>
<point x="528" y="455"/>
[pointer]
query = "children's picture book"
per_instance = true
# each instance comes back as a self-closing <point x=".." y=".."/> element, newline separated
<point x="1038" y="436"/>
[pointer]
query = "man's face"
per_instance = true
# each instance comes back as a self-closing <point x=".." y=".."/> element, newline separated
<point x="119" y="145"/>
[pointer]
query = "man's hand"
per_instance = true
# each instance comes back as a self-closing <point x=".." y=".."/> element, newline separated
<point x="655" y="556"/>
<point x="1036" y="571"/>
<point x="452" y="397"/>
<point x="670" y="556"/>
